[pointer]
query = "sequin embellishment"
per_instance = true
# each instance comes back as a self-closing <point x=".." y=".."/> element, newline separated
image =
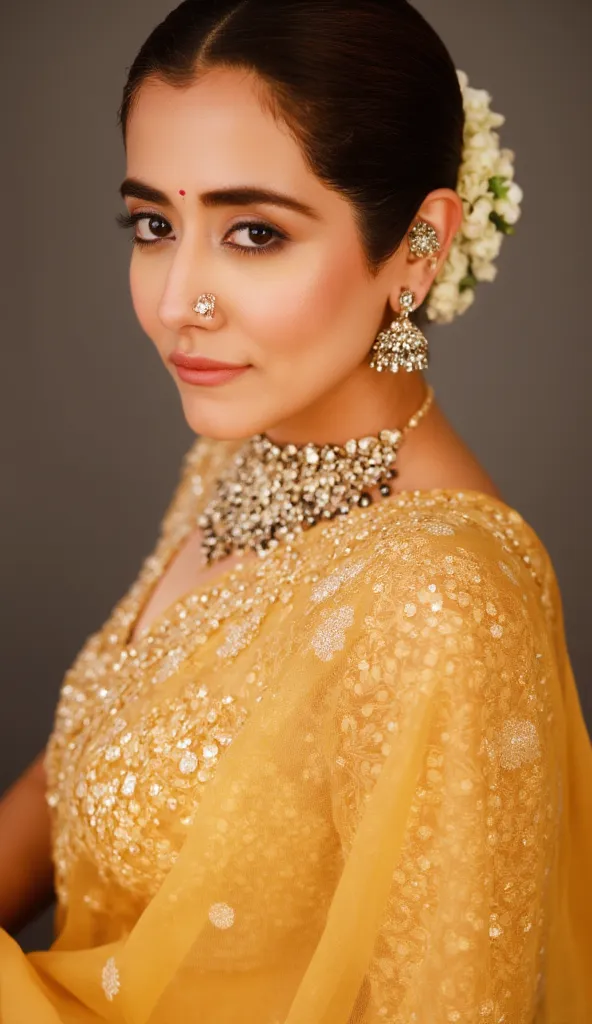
<point x="330" y="636"/>
<point x="239" y="634"/>
<point x="437" y="529"/>
<point x="110" y="979"/>
<point x="506" y="569"/>
<point x="519" y="743"/>
<point x="221" y="915"/>
<point x="326" y="588"/>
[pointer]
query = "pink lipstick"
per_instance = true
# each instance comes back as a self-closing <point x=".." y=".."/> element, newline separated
<point x="201" y="370"/>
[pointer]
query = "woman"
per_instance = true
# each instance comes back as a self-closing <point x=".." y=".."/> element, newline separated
<point x="325" y="761"/>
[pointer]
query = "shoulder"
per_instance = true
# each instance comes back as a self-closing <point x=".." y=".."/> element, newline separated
<point x="199" y="467"/>
<point x="448" y="609"/>
<point x="204" y="451"/>
<point x="465" y="538"/>
<point x="202" y="462"/>
<point x="467" y="547"/>
<point x="451" y="588"/>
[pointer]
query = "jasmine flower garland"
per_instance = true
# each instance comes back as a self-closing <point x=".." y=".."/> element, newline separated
<point x="491" y="201"/>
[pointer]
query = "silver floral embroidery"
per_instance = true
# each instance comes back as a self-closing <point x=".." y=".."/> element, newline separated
<point x="437" y="528"/>
<point x="518" y="743"/>
<point x="506" y="569"/>
<point x="221" y="915"/>
<point x="110" y="979"/>
<point x="326" y="588"/>
<point x="239" y="635"/>
<point x="330" y="635"/>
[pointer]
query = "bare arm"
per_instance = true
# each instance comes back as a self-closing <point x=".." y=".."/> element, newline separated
<point x="26" y="871"/>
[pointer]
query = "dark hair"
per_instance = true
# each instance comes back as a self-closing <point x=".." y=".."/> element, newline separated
<point x="367" y="88"/>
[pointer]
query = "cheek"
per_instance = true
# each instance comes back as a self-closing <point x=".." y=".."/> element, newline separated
<point x="145" y="291"/>
<point x="303" y="300"/>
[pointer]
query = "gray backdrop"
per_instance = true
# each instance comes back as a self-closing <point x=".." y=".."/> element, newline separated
<point x="92" y="428"/>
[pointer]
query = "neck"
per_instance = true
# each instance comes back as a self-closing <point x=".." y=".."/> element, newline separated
<point x="360" y="406"/>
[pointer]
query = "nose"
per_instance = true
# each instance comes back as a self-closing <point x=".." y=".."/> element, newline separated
<point x="187" y="281"/>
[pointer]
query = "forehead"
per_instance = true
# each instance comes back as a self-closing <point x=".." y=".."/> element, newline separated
<point x="215" y="130"/>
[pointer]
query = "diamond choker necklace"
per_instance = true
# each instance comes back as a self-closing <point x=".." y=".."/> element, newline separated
<point x="271" y="492"/>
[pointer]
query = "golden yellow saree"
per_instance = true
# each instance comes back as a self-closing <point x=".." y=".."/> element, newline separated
<point x="348" y="783"/>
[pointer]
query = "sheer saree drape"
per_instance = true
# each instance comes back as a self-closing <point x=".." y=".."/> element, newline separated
<point x="398" y="829"/>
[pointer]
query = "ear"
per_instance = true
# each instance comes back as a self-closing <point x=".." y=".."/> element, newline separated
<point x="442" y="209"/>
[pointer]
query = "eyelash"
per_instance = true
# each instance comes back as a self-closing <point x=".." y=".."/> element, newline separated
<point x="129" y="220"/>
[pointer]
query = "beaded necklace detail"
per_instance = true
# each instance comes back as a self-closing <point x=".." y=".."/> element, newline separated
<point x="271" y="492"/>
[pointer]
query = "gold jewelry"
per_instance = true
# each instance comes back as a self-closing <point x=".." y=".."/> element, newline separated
<point x="402" y="345"/>
<point x="270" y="492"/>
<point x="205" y="305"/>
<point x="424" y="242"/>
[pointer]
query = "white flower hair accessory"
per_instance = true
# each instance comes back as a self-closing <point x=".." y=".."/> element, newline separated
<point x="491" y="200"/>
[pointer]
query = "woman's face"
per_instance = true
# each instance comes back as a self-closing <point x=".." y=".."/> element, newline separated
<point x="295" y="301"/>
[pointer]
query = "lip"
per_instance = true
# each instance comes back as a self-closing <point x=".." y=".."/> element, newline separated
<point x="203" y="363"/>
<point x="210" y="378"/>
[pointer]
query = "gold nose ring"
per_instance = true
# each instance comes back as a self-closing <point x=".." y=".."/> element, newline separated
<point x="205" y="305"/>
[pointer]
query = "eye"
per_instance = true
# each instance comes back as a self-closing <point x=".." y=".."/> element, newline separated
<point x="255" y="237"/>
<point x="154" y="227"/>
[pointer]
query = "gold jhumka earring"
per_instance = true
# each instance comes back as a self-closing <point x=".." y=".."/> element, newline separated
<point x="403" y="345"/>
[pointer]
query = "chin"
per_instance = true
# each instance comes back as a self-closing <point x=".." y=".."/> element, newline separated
<point x="223" y="424"/>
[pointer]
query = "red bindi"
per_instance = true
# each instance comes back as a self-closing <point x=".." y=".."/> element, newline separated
<point x="181" y="191"/>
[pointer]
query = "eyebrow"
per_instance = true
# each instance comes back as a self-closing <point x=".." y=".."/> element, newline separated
<point x="242" y="195"/>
